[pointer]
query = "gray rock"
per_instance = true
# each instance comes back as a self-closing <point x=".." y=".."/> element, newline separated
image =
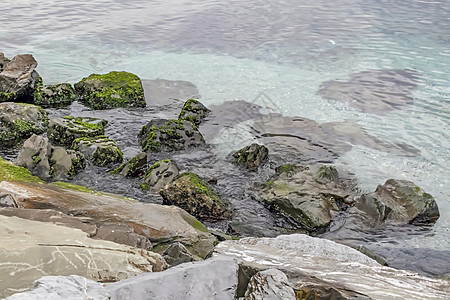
<point x="19" y="121"/>
<point x="252" y="156"/>
<point x="311" y="194"/>
<point x="3" y="61"/>
<point x="159" y="174"/>
<point x="399" y="202"/>
<point x="328" y="266"/>
<point x="47" y="161"/>
<point x="270" y="284"/>
<point x="19" y="79"/>
<point x="161" y="92"/>
<point x="169" y="135"/>
<point x="133" y="167"/>
<point x="177" y="254"/>
<point x="58" y="95"/>
<point x="194" y="112"/>
<point x="63" y="131"/>
<point x="31" y="249"/>
<point x="209" y="279"/>
<point x="102" y="151"/>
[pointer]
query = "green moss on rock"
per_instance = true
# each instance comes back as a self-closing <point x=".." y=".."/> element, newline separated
<point x="11" y="172"/>
<point x="194" y="112"/>
<point x="58" y="95"/>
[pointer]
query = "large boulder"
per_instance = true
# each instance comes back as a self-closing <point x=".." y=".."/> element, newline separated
<point x="134" y="167"/>
<point x="399" y="202"/>
<point x="18" y="79"/>
<point x="191" y="193"/>
<point x="169" y="135"/>
<point x="31" y="249"/>
<point x="151" y="226"/>
<point x="321" y="267"/>
<point x="47" y="161"/>
<point x="194" y="111"/>
<point x="112" y="90"/>
<point x="159" y="174"/>
<point x="102" y="151"/>
<point x="58" y="95"/>
<point x="251" y="157"/>
<point x="19" y="121"/>
<point x="63" y="131"/>
<point x="311" y="194"/>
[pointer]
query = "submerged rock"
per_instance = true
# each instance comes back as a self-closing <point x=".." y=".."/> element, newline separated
<point x="191" y="193"/>
<point x="399" y="202"/>
<point x="19" y="121"/>
<point x="30" y="249"/>
<point x="161" y="92"/>
<point x="112" y="90"/>
<point x="159" y="174"/>
<point x="169" y="135"/>
<point x="64" y="131"/>
<point x="309" y="262"/>
<point x="252" y="156"/>
<point x="373" y="91"/>
<point x="148" y="224"/>
<point x="194" y="111"/>
<point x="58" y="95"/>
<point x="134" y="167"/>
<point x="102" y="151"/>
<point x="311" y="194"/>
<point x="18" y="79"/>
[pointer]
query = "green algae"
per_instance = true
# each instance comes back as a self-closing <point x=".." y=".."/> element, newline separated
<point x="80" y="188"/>
<point x="58" y="95"/>
<point x="191" y="220"/>
<point x="11" y="172"/>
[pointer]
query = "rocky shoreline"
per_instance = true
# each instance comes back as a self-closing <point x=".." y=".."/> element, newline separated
<point x="246" y="225"/>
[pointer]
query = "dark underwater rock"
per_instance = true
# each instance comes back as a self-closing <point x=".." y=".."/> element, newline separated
<point x="58" y="95"/>
<point x="252" y="156"/>
<point x="134" y="167"/>
<point x="159" y="174"/>
<point x="19" y="121"/>
<point x="112" y="90"/>
<point x="194" y="111"/>
<point x="47" y="161"/>
<point x="169" y="135"/>
<point x="191" y="193"/>
<point x="102" y="151"/>
<point x="63" y="131"/>
<point x="18" y="79"/>
<point x="373" y="91"/>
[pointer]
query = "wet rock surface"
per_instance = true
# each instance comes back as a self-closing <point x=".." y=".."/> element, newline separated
<point x="100" y="150"/>
<point x="252" y="156"/>
<point x="19" y="121"/>
<point x="64" y="131"/>
<point x="112" y="90"/>
<point x="49" y="162"/>
<point x="18" y="79"/>
<point x="159" y="174"/>
<point x="194" y="111"/>
<point x="57" y="95"/>
<point x="134" y="167"/>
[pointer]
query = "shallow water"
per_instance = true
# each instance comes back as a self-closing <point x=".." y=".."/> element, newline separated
<point x="271" y="53"/>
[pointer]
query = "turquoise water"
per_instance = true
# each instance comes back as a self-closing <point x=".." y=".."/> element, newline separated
<point x="283" y="50"/>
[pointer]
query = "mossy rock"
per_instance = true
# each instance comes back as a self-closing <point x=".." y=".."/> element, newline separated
<point x="19" y="121"/>
<point x="169" y="135"/>
<point x="134" y="167"/>
<point x="251" y="157"/>
<point x="194" y="112"/>
<point x="11" y="172"/>
<point x="112" y="90"/>
<point x="63" y="131"/>
<point x="191" y="193"/>
<point x="159" y="174"/>
<point x="102" y="151"/>
<point x="59" y="95"/>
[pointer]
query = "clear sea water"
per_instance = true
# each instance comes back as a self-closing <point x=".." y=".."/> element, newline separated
<point x="283" y="49"/>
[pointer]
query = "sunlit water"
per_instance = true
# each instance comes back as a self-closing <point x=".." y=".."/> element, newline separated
<point x="274" y="53"/>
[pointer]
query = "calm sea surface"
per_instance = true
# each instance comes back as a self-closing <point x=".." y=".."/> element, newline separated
<point x="283" y="50"/>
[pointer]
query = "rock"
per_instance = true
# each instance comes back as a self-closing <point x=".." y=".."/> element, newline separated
<point x="19" y="121"/>
<point x="311" y="194"/>
<point x="63" y="131"/>
<point x="159" y="174"/>
<point x="63" y="287"/>
<point x="3" y="61"/>
<point x="191" y="193"/>
<point x="112" y="90"/>
<point x="209" y="279"/>
<point x="270" y="284"/>
<point x="58" y="95"/>
<point x="47" y="161"/>
<point x="19" y="79"/>
<point x="161" y="92"/>
<point x="194" y="111"/>
<point x="399" y="202"/>
<point x="252" y="156"/>
<point x="328" y="266"/>
<point x="133" y="167"/>
<point x="146" y="223"/>
<point x="31" y="249"/>
<point x="11" y="172"/>
<point x="103" y="152"/>
<point x="177" y="254"/>
<point x="169" y="135"/>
